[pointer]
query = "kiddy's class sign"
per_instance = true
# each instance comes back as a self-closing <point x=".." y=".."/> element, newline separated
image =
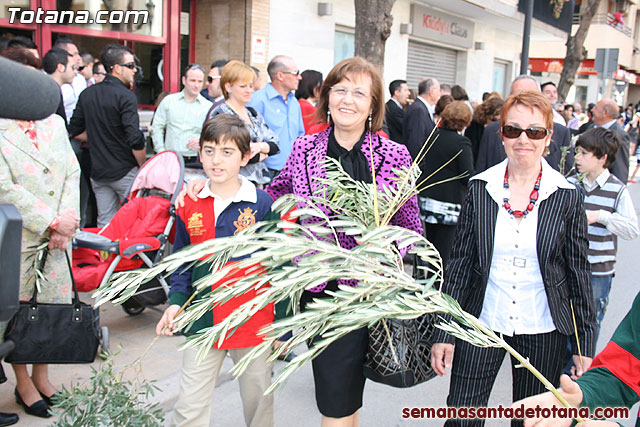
<point x="442" y="27"/>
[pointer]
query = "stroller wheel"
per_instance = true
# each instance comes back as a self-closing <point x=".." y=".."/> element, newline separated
<point x="132" y="308"/>
<point x="104" y="343"/>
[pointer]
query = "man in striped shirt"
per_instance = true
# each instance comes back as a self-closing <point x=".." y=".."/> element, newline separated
<point x="609" y="209"/>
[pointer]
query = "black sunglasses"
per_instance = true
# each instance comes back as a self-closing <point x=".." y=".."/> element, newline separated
<point x="293" y="73"/>
<point x="130" y="65"/>
<point x="82" y="67"/>
<point x="211" y="79"/>
<point x="535" y="132"/>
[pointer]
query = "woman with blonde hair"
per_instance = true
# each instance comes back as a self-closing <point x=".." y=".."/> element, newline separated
<point x="236" y="82"/>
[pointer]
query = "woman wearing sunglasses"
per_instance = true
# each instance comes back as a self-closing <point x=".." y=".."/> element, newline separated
<point x="518" y="263"/>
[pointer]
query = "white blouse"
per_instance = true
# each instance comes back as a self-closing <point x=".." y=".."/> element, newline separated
<point x="515" y="300"/>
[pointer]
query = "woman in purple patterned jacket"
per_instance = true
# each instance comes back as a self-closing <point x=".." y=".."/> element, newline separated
<point x="351" y="100"/>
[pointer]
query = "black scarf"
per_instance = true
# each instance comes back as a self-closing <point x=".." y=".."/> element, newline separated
<point x="353" y="162"/>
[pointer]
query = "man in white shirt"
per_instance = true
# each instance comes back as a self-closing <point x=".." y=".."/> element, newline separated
<point x="550" y="90"/>
<point x="71" y="92"/>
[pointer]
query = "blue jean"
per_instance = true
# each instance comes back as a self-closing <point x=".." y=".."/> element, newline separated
<point x="601" y="286"/>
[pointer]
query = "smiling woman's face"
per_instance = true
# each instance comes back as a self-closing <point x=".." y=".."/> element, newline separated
<point x="350" y="109"/>
<point x="523" y="151"/>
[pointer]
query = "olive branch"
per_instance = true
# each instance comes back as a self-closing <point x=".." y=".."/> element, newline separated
<point x="283" y="258"/>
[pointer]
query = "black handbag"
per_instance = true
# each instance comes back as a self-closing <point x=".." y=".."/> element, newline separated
<point x="54" y="333"/>
<point x="399" y="352"/>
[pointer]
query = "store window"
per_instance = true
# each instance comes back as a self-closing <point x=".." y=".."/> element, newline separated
<point x="6" y="4"/>
<point x="500" y="80"/>
<point x="343" y="45"/>
<point x="148" y="56"/>
<point x="142" y="17"/>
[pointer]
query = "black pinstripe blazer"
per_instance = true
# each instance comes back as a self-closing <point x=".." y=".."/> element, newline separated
<point x="562" y="255"/>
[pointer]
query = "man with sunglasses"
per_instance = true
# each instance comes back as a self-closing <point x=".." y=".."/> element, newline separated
<point x="491" y="150"/>
<point x="109" y="114"/>
<point x="98" y="74"/>
<point x="86" y="68"/>
<point x="280" y="108"/>
<point x="213" y="92"/>
<point x="178" y="120"/>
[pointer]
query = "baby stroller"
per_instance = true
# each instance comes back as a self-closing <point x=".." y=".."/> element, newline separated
<point x="138" y="236"/>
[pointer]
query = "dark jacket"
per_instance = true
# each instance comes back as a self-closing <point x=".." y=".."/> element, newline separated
<point x="448" y="145"/>
<point x="416" y="127"/>
<point x="393" y="116"/>
<point x="562" y="255"/>
<point x="491" y="150"/>
<point x="620" y="167"/>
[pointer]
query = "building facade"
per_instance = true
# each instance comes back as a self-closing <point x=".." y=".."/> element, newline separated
<point x="615" y="25"/>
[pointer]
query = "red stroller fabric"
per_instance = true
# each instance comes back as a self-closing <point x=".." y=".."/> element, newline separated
<point x="139" y="219"/>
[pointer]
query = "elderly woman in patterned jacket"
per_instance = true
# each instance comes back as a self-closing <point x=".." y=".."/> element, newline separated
<point x="351" y="100"/>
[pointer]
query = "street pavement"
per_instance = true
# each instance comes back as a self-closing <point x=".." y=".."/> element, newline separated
<point x="295" y="403"/>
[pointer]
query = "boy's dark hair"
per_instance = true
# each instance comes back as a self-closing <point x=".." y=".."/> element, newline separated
<point x="113" y="54"/>
<point x="54" y="57"/>
<point x="227" y="127"/>
<point x="600" y="141"/>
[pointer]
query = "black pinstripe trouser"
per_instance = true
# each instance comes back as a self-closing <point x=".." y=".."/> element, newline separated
<point x="475" y="369"/>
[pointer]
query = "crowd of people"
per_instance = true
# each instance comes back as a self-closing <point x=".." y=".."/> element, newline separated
<point x="523" y="198"/>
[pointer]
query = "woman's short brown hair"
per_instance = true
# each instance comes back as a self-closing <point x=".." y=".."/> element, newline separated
<point x="353" y="67"/>
<point x="455" y="116"/>
<point x="532" y="100"/>
<point x="486" y="111"/>
<point x="234" y="72"/>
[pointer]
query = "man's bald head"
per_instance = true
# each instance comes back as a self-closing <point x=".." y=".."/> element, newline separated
<point x="524" y="82"/>
<point x="605" y="111"/>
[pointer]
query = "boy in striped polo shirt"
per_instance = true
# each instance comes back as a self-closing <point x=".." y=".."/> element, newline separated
<point x="609" y="209"/>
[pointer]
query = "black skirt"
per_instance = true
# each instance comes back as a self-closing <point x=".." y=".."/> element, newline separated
<point x="338" y="370"/>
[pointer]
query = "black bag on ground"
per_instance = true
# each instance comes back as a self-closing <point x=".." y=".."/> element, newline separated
<point x="54" y="333"/>
<point x="399" y="350"/>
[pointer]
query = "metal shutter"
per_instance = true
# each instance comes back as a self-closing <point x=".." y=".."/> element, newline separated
<point x="426" y="60"/>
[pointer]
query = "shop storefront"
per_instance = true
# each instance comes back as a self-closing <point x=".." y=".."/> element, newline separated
<point x="438" y="40"/>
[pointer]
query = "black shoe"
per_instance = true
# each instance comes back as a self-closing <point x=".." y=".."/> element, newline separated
<point x="8" y="419"/>
<point x="38" y="409"/>
<point x="49" y="399"/>
<point x="287" y="357"/>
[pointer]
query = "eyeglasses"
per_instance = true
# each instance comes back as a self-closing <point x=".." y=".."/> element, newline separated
<point x="210" y="79"/>
<point x="535" y="132"/>
<point x="82" y="67"/>
<point x="293" y="73"/>
<point x="130" y="65"/>
<point x="104" y="73"/>
<point x="341" y="92"/>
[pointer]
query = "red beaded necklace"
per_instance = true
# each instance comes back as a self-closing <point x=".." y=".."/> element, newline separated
<point x="533" y="197"/>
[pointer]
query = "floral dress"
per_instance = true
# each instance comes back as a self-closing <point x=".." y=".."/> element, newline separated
<point x="39" y="174"/>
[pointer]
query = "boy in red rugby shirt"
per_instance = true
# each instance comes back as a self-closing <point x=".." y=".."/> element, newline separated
<point x="227" y="204"/>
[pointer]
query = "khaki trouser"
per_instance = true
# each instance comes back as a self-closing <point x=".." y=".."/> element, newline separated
<point x="197" y="383"/>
